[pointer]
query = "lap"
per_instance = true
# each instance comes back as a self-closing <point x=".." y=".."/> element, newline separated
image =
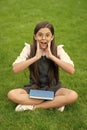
<point x="63" y="91"/>
<point x="18" y="90"/>
<point x="60" y="91"/>
<point x="34" y="86"/>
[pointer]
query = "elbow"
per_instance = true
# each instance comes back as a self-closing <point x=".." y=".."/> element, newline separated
<point x="72" y="71"/>
<point x="15" y="70"/>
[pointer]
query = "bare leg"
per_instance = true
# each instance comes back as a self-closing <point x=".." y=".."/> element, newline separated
<point x="20" y="96"/>
<point x="62" y="97"/>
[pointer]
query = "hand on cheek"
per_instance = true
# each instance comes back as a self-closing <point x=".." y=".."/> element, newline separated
<point x="48" y="51"/>
<point x="38" y="51"/>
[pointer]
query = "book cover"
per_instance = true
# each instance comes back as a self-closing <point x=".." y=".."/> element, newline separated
<point x="41" y="94"/>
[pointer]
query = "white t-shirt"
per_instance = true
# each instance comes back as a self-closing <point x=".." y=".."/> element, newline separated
<point x="60" y="53"/>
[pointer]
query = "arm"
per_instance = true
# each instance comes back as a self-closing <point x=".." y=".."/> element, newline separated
<point x="18" y="67"/>
<point x="22" y="63"/>
<point x="69" y="68"/>
<point x="66" y="66"/>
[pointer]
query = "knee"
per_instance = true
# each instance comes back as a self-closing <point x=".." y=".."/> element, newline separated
<point x="10" y="94"/>
<point x="74" y="96"/>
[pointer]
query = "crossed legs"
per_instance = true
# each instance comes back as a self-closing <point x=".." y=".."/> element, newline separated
<point x="62" y="97"/>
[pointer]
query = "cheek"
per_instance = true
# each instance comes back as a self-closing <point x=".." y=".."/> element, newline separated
<point x="37" y="38"/>
<point x="49" y="40"/>
<point x="40" y="45"/>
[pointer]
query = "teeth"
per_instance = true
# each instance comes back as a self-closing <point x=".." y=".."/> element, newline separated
<point x="43" y="43"/>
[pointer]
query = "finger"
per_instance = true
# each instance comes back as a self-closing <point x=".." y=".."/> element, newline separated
<point x="49" y="44"/>
<point x="37" y="45"/>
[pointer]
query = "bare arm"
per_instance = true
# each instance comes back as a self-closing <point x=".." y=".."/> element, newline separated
<point x="18" y="67"/>
<point x="69" y="68"/>
<point x="65" y="66"/>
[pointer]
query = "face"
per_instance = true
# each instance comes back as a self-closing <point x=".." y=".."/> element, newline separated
<point x="43" y="37"/>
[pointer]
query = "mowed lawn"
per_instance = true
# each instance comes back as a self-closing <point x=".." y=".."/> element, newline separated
<point x="17" y="21"/>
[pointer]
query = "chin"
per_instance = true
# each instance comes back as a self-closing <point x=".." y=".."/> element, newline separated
<point x="43" y="48"/>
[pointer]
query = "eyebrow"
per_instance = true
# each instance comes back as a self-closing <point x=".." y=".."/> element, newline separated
<point x="46" y="33"/>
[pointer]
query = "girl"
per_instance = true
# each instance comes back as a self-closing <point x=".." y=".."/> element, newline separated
<point x="43" y="58"/>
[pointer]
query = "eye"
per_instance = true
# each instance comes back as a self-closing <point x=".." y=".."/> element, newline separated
<point x="47" y="35"/>
<point x="40" y="34"/>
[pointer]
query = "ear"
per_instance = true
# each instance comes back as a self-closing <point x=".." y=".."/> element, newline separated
<point x="52" y="37"/>
<point x="35" y="37"/>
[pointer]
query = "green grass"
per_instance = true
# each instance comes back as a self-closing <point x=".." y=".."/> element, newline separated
<point x="17" y="21"/>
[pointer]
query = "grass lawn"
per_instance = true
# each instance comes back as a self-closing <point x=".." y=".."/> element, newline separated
<point x="17" y="21"/>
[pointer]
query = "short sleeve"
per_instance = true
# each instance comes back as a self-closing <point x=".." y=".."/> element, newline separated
<point x="63" y="55"/>
<point x="24" y="54"/>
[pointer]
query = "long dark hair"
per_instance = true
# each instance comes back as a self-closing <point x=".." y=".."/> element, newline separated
<point x="53" y="73"/>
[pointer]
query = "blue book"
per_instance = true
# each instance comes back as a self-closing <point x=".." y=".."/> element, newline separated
<point x="41" y="94"/>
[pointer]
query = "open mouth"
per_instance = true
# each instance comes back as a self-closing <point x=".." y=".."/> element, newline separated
<point x="44" y="43"/>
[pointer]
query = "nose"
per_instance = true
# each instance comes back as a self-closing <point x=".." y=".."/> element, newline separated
<point x="43" y="37"/>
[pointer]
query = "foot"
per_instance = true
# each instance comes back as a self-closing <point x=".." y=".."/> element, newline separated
<point x="61" y="109"/>
<point x="24" y="107"/>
